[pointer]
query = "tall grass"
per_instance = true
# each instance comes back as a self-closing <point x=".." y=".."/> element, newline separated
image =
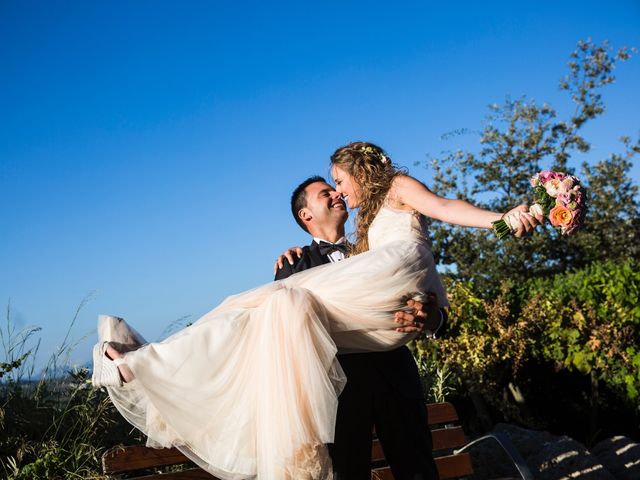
<point x="438" y="381"/>
<point x="56" y="425"/>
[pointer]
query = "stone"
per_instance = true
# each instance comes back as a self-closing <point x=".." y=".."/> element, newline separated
<point x="549" y="457"/>
<point x="621" y="456"/>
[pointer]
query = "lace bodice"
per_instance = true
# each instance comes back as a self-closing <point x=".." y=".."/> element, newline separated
<point x="391" y="225"/>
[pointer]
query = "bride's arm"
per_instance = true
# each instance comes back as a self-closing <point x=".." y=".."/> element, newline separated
<point x="409" y="191"/>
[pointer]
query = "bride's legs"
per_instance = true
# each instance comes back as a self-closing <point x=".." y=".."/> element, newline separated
<point x="125" y="371"/>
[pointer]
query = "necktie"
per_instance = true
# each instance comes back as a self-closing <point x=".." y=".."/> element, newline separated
<point x="327" y="248"/>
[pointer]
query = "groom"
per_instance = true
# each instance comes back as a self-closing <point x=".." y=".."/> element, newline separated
<point x="383" y="388"/>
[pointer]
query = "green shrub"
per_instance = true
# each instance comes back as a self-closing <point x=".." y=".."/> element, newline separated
<point x="591" y="321"/>
<point x="579" y="331"/>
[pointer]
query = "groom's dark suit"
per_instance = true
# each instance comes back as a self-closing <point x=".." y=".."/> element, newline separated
<point x="383" y="389"/>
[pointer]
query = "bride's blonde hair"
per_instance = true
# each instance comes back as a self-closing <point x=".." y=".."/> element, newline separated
<point x="372" y="170"/>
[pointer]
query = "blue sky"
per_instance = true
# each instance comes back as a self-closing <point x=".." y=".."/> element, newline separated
<point x="148" y="149"/>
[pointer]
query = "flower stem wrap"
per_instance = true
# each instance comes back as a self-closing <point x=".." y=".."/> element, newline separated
<point x="509" y="223"/>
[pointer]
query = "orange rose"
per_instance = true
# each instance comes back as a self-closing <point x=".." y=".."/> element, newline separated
<point x="560" y="216"/>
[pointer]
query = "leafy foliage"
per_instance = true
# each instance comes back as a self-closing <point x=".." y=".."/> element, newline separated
<point x="591" y="324"/>
<point x="585" y="323"/>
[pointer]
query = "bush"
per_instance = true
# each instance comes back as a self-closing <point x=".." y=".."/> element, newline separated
<point x="568" y="343"/>
<point x="591" y="324"/>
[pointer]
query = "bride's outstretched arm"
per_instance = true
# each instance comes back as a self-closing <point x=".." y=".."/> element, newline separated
<point x="412" y="193"/>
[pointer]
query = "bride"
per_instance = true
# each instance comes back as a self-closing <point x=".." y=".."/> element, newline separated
<point x="250" y="389"/>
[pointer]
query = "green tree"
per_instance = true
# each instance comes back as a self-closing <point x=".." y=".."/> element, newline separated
<point x="520" y="138"/>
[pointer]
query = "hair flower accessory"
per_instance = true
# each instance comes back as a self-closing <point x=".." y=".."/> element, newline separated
<point x="379" y="154"/>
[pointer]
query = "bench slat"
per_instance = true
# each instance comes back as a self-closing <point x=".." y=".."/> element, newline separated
<point x="452" y="466"/>
<point x="453" y="437"/>
<point x="138" y="457"/>
<point x="441" y="413"/>
<point x="443" y="438"/>
<point x="377" y="454"/>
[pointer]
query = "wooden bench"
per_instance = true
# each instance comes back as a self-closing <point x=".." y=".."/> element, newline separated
<point x="446" y="434"/>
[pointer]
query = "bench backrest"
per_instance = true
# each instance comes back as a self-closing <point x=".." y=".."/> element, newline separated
<point x="446" y="436"/>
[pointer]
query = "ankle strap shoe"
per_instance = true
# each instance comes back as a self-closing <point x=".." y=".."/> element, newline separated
<point x="105" y="370"/>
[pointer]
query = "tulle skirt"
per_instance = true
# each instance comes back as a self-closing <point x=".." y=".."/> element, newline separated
<point x="250" y="390"/>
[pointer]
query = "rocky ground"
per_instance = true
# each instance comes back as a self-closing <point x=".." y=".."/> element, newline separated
<point x="551" y="457"/>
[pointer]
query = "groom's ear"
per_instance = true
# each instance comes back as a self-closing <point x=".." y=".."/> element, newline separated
<point x="305" y="215"/>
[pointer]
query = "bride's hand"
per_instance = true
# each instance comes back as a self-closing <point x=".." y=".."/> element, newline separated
<point x="521" y="221"/>
<point x="288" y="254"/>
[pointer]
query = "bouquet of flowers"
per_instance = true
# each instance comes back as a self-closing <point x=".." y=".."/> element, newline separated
<point x="559" y="197"/>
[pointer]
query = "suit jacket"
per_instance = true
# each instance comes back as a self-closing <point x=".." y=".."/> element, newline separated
<point x="397" y="366"/>
<point x="311" y="257"/>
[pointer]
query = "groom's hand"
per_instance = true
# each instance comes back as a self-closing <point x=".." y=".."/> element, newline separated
<point x="288" y="254"/>
<point x="420" y="315"/>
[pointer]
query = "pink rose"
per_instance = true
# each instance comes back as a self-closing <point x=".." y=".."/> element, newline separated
<point x="555" y="186"/>
<point x="563" y="199"/>
<point x="547" y="175"/>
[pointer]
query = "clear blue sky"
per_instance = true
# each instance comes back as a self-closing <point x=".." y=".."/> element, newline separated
<point x="148" y="149"/>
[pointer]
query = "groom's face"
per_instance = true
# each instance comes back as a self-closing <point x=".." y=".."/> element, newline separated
<point x="325" y="207"/>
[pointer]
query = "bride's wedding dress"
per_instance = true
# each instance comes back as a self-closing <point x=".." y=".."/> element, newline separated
<point x="250" y="390"/>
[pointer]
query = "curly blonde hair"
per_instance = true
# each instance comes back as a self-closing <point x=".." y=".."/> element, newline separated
<point x="373" y="171"/>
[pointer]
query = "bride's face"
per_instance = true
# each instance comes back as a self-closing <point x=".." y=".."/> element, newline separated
<point x="346" y="186"/>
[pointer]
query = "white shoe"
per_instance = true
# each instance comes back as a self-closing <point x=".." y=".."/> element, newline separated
<point x="121" y="335"/>
<point x="105" y="370"/>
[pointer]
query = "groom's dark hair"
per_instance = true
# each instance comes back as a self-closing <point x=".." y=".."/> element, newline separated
<point x="299" y="198"/>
